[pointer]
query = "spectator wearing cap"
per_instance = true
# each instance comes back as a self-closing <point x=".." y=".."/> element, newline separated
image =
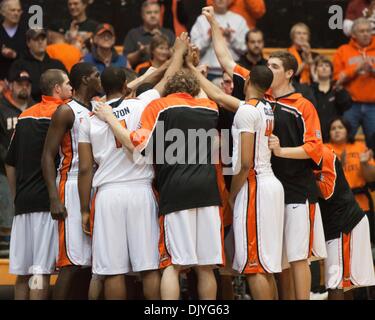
<point x="103" y="52"/>
<point x="12" y="103"/>
<point x="354" y="69"/>
<point x="255" y="45"/>
<point x="137" y="41"/>
<point x="79" y="27"/>
<point x="331" y="101"/>
<point x="36" y="60"/>
<point x="12" y="35"/>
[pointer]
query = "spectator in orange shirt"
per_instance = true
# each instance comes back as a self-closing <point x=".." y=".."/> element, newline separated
<point x="68" y="54"/>
<point x="357" y="162"/>
<point x="301" y="50"/>
<point x="251" y="10"/>
<point x="354" y="68"/>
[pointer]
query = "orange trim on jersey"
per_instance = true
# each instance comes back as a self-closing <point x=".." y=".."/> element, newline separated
<point x="143" y="65"/>
<point x="253" y="264"/>
<point x="346" y="282"/>
<point x="224" y="195"/>
<point x="152" y="112"/>
<point x="312" y="208"/>
<point x="241" y="71"/>
<point x="44" y="109"/>
<point x="165" y="258"/>
<point x="326" y="177"/>
<point x="66" y="149"/>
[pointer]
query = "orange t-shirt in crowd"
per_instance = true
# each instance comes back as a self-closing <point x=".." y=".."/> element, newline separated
<point x="69" y="55"/>
<point x="250" y="10"/>
<point x="349" y="157"/>
<point x="346" y="61"/>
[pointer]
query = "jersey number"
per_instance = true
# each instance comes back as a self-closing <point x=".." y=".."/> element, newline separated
<point x="118" y="143"/>
<point x="269" y="127"/>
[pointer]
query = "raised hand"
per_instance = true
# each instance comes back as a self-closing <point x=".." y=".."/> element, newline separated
<point x="209" y="13"/>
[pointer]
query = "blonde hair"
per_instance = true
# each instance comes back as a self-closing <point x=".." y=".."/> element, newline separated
<point x="299" y="25"/>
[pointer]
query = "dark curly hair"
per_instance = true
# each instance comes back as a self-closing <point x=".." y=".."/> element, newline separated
<point x="183" y="81"/>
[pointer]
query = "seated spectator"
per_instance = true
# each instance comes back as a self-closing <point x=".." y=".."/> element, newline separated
<point x="254" y="54"/>
<point x="12" y="35"/>
<point x="354" y="69"/>
<point x="357" y="9"/>
<point x="137" y="42"/>
<point x="330" y="101"/>
<point x="103" y="52"/>
<point x="36" y="60"/>
<point x="160" y="52"/>
<point x="60" y="50"/>
<point x="234" y="30"/>
<point x="356" y="161"/>
<point x="251" y="10"/>
<point x="301" y="50"/>
<point x="79" y="27"/>
<point x="12" y="103"/>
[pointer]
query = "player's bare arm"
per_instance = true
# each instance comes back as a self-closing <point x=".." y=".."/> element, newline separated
<point x="85" y="176"/>
<point x="152" y="77"/>
<point x="62" y="121"/>
<point x="180" y="47"/>
<point x="215" y="93"/>
<point x="247" y="150"/>
<point x="219" y="43"/>
<point x="298" y="153"/>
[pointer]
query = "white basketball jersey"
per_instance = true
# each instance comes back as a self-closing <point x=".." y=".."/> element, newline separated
<point x="69" y="147"/>
<point x="115" y="162"/>
<point x="255" y="116"/>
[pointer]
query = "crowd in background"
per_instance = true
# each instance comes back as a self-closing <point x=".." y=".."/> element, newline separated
<point x="342" y="90"/>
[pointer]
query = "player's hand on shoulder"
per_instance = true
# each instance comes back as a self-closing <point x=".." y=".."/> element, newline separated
<point x="103" y="112"/>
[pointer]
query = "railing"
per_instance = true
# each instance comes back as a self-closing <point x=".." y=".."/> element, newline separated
<point x="267" y="51"/>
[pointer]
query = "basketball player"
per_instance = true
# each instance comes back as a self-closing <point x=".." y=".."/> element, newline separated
<point x="62" y="138"/>
<point x="190" y="222"/>
<point x="125" y="230"/>
<point x="257" y="221"/>
<point x="349" y="262"/>
<point x="297" y="125"/>
<point x="33" y="245"/>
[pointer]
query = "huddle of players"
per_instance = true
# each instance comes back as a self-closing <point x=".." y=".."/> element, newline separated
<point x="277" y="221"/>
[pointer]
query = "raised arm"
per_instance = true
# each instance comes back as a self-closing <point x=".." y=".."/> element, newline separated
<point x="62" y="120"/>
<point x="214" y="93"/>
<point x="219" y="43"/>
<point x="180" y="48"/>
